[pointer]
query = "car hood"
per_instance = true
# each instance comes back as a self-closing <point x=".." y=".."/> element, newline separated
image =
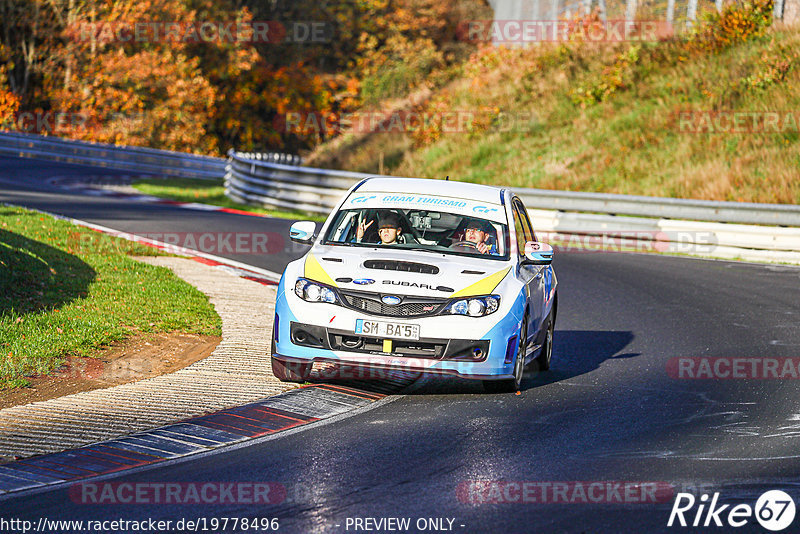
<point x="384" y="271"/>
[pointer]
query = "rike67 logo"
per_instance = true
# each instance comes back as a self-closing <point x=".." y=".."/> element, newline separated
<point x="774" y="510"/>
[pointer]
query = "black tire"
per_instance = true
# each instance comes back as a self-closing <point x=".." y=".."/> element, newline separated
<point x="512" y="385"/>
<point x="290" y="371"/>
<point x="546" y="354"/>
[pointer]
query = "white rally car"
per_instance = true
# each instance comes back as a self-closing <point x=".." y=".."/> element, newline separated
<point x="420" y="275"/>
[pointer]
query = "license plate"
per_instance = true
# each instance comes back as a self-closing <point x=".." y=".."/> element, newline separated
<point x="387" y="329"/>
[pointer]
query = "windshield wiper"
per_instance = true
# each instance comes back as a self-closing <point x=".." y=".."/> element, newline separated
<point x="422" y="249"/>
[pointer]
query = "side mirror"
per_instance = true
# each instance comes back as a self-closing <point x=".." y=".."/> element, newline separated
<point x="302" y="232"/>
<point x="537" y="253"/>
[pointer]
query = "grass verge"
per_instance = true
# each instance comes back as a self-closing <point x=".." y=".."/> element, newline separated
<point x="612" y="118"/>
<point x="70" y="291"/>
<point x="208" y="192"/>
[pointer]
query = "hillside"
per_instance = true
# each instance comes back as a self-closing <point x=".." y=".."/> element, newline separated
<point x="714" y="115"/>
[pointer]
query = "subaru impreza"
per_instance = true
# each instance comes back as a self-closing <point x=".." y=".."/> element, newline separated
<point x="431" y="276"/>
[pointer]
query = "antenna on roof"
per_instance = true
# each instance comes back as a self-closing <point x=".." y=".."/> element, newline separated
<point x="447" y="178"/>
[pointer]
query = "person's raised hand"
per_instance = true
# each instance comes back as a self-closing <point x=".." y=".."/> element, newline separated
<point x="362" y="228"/>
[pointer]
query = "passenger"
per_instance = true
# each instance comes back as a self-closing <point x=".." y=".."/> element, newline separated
<point x="389" y="229"/>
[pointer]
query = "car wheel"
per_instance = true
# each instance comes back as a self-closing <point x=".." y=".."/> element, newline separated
<point x="547" y="349"/>
<point x="512" y="385"/>
<point x="290" y="371"/>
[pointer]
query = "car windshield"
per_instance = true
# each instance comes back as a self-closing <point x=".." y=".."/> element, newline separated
<point x="421" y="230"/>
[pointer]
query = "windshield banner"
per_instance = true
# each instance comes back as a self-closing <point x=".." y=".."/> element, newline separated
<point x="405" y="201"/>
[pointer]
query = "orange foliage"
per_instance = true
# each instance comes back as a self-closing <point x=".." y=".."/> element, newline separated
<point x="9" y="102"/>
<point x="204" y="97"/>
<point x="736" y="22"/>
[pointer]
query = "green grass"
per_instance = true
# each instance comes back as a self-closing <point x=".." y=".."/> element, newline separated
<point x="400" y="74"/>
<point x="209" y="192"/>
<point x="69" y="291"/>
<point x="597" y="132"/>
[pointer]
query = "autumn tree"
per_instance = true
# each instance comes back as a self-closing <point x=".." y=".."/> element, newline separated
<point x="206" y="95"/>
<point x="9" y="102"/>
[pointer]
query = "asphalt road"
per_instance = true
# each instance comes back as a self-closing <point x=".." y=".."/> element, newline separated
<point x="612" y="409"/>
<point x="24" y="182"/>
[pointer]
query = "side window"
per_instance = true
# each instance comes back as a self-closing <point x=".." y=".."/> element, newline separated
<point x="524" y="230"/>
<point x="526" y="222"/>
<point x="519" y="230"/>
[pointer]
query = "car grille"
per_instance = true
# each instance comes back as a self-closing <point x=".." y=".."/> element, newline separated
<point x="411" y="307"/>
<point x="372" y="345"/>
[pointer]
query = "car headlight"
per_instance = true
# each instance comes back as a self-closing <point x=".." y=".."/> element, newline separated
<point x="314" y="292"/>
<point x="474" y="306"/>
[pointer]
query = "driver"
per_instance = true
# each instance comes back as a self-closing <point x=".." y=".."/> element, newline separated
<point x="388" y="229"/>
<point x="476" y="231"/>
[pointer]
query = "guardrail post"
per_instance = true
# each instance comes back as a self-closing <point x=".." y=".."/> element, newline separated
<point x="691" y="13"/>
<point x="777" y="10"/>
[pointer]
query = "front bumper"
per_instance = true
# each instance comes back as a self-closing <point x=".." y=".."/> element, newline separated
<point x="328" y="336"/>
<point x="408" y="366"/>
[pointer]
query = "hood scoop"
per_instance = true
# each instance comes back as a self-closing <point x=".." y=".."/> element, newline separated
<point x="404" y="266"/>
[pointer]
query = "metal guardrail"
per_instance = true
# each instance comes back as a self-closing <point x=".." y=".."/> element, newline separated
<point x="139" y="159"/>
<point x="276" y="185"/>
<point x="699" y="238"/>
<point x="667" y="208"/>
<point x="277" y="180"/>
<point x="318" y="190"/>
<point x="696" y="227"/>
<point x="272" y="157"/>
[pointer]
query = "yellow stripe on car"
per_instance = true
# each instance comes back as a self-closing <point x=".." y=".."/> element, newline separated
<point x="314" y="271"/>
<point x="484" y="286"/>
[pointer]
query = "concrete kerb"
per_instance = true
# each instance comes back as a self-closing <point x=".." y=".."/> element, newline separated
<point x="227" y="399"/>
<point x="237" y="372"/>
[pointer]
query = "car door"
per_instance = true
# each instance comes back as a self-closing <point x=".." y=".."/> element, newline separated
<point x="531" y="275"/>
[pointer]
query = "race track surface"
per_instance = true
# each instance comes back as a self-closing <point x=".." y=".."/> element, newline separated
<point x="613" y="409"/>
